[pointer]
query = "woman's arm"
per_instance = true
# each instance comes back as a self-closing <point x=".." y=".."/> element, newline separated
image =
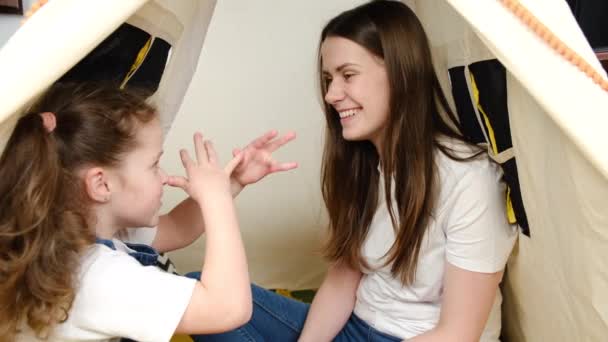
<point x="467" y="300"/>
<point x="332" y="305"/>
<point x="183" y="224"/>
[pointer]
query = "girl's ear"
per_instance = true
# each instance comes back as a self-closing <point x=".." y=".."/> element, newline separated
<point x="96" y="184"/>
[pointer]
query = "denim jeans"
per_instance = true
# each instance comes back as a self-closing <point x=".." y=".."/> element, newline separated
<point x="277" y="318"/>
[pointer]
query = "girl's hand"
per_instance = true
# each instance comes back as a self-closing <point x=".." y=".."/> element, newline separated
<point x="257" y="160"/>
<point x="205" y="179"/>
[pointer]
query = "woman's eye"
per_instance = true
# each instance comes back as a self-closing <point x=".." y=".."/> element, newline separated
<point x="348" y="76"/>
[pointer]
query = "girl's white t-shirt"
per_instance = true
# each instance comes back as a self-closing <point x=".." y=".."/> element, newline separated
<point x="468" y="229"/>
<point x="118" y="297"/>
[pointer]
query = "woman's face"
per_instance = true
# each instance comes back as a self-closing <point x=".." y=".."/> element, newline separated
<point x="357" y="88"/>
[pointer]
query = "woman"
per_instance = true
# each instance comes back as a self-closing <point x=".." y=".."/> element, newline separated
<point x="418" y="236"/>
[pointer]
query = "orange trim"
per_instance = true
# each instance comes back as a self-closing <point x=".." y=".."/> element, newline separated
<point x="33" y="9"/>
<point x="553" y="41"/>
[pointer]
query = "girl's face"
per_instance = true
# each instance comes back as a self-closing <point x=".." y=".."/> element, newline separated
<point x="139" y="180"/>
<point x="357" y="88"/>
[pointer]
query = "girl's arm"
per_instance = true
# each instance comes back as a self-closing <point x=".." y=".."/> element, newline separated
<point x="467" y="300"/>
<point x="332" y="305"/>
<point x="184" y="224"/>
<point x="221" y="300"/>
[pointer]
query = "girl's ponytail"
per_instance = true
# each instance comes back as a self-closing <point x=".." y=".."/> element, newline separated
<point x="45" y="215"/>
<point x="32" y="184"/>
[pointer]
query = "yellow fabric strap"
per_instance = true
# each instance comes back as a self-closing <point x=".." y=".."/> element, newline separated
<point x="510" y="212"/>
<point x="485" y="117"/>
<point x="141" y="56"/>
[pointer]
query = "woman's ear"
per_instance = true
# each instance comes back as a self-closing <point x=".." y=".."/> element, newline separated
<point x="96" y="184"/>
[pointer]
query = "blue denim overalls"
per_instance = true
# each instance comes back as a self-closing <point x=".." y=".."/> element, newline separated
<point x="145" y="255"/>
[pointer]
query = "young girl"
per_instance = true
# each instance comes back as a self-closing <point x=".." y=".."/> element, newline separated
<point x="81" y="167"/>
<point x="418" y="235"/>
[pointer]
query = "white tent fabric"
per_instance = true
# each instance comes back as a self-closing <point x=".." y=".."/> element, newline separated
<point x="556" y="287"/>
<point x="49" y="44"/>
<point x="184" y="25"/>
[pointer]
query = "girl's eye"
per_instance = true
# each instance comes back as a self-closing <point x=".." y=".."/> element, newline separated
<point x="348" y="76"/>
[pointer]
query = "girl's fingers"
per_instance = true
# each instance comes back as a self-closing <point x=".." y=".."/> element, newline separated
<point x="274" y="145"/>
<point x="233" y="163"/>
<point x="186" y="161"/>
<point x="200" y="149"/>
<point x="178" y="182"/>
<point x="211" y="154"/>
<point x="236" y="151"/>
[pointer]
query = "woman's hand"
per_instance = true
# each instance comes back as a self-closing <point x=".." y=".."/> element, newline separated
<point x="257" y="160"/>
<point x="205" y="179"/>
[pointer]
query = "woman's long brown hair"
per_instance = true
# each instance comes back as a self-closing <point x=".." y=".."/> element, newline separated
<point x="44" y="219"/>
<point x="350" y="176"/>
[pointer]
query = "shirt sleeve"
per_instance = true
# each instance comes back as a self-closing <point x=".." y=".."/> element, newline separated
<point x="119" y="297"/>
<point x="478" y="235"/>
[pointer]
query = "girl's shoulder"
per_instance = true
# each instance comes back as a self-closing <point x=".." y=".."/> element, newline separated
<point x="101" y="259"/>
<point x="112" y="279"/>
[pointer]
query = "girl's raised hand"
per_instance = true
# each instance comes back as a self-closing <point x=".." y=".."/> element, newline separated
<point x="204" y="178"/>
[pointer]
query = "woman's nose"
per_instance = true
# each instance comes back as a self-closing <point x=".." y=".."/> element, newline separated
<point x="335" y="92"/>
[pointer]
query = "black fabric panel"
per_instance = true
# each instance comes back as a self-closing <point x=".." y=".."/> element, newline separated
<point x="150" y="72"/>
<point x="464" y="106"/>
<point x="490" y="77"/>
<point x="512" y="179"/>
<point x="592" y="17"/>
<point x="112" y="59"/>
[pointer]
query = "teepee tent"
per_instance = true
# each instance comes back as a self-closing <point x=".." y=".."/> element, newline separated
<point x="546" y="129"/>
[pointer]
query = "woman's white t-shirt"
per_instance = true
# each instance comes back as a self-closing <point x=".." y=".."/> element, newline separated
<point x="468" y="229"/>
<point x="118" y="297"/>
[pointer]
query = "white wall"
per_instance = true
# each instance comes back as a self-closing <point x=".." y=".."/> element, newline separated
<point x="257" y="72"/>
<point x="9" y="23"/>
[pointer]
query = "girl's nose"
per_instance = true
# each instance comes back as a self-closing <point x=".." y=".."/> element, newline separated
<point x="164" y="177"/>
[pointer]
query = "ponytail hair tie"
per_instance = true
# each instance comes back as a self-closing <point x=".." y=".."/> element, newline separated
<point x="49" y="121"/>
